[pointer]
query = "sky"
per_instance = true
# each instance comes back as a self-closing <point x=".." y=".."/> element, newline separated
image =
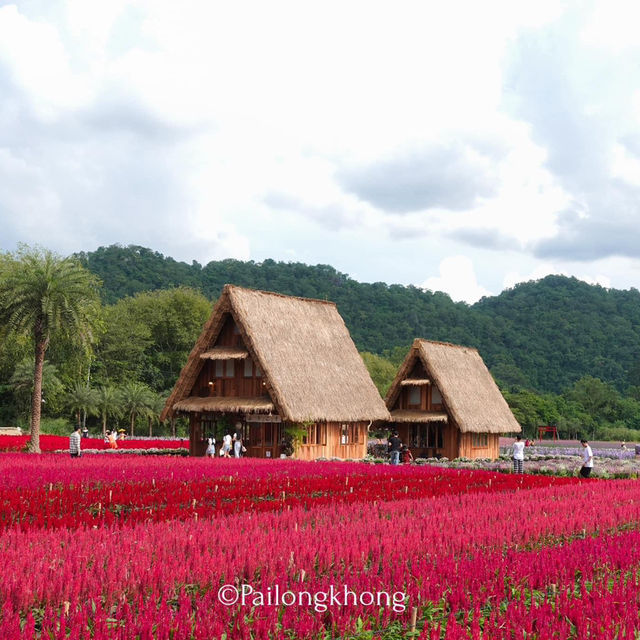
<point x="457" y="146"/>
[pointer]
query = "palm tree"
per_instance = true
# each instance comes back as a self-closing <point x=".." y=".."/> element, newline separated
<point x="156" y="405"/>
<point x="43" y="294"/>
<point x="82" y="400"/>
<point x="108" y="404"/>
<point x="135" y="399"/>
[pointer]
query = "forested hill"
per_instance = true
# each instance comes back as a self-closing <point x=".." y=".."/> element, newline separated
<point x="542" y="335"/>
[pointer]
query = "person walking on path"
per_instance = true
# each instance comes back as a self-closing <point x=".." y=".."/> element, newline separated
<point x="226" y="445"/>
<point x="587" y="457"/>
<point x="518" y="455"/>
<point x="395" y="446"/>
<point x="237" y="444"/>
<point x="74" y="443"/>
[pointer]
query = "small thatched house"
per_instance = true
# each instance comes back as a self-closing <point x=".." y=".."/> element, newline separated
<point x="444" y="402"/>
<point x="273" y="366"/>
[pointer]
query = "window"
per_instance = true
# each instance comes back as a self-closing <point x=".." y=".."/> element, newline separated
<point x="351" y="434"/>
<point x="315" y="434"/>
<point x="414" y="396"/>
<point x="225" y="368"/>
<point x="479" y="440"/>
<point x="436" y="398"/>
<point x="248" y="368"/>
<point x="258" y="372"/>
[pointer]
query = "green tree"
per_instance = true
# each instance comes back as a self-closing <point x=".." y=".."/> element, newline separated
<point x="83" y="401"/>
<point x="22" y="384"/>
<point x="43" y="294"/>
<point x="108" y="404"/>
<point x="135" y="399"/>
<point x="382" y="371"/>
<point x="149" y="336"/>
<point x="154" y="409"/>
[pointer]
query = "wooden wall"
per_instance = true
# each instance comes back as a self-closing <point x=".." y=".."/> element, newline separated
<point x="455" y="444"/>
<point x="467" y="449"/>
<point x="449" y="440"/>
<point x="355" y="447"/>
<point x="234" y="381"/>
<point x="330" y="439"/>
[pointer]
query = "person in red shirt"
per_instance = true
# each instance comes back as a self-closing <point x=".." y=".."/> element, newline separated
<point x="405" y="455"/>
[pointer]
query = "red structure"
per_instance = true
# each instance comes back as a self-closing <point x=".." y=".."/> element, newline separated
<point x="552" y="429"/>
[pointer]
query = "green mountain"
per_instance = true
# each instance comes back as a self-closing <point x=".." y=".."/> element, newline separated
<point x="542" y="335"/>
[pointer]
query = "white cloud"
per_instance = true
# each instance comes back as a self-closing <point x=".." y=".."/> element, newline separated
<point x="210" y="129"/>
<point x="457" y="277"/>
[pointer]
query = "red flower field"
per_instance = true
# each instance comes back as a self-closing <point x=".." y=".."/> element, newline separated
<point x="132" y="547"/>
<point x="57" y="443"/>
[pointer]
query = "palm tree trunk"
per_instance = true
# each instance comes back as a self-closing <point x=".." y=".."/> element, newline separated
<point x="133" y="419"/>
<point x="36" y="399"/>
<point x="173" y="427"/>
<point x="104" y="424"/>
<point x="150" y="428"/>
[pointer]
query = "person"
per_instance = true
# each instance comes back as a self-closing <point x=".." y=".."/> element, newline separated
<point x="237" y="443"/>
<point x="587" y="457"/>
<point x="112" y="440"/>
<point x="623" y="445"/>
<point x="85" y="431"/>
<point x="407" y="456"/>
<point x="518" y="455"/>
<point x="226" y="445"/>
<point x="395" y="446"/>
<point x="74" y="443"/>
<point x="122" y="434"/>
<point x="211" y="448"/>
<point x="106" y="436"/>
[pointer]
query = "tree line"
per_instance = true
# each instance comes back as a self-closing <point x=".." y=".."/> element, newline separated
<point x="124" y="317"/>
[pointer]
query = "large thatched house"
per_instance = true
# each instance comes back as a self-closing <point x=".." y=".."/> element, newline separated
<point x="272" y="366"/>
<point x="444" y="402"/>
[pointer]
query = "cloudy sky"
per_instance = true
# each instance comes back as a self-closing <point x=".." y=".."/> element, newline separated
<point x="458" y="146"/>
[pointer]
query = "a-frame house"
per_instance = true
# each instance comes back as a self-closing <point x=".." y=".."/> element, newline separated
<point x="271" y="365"/>
<point x="444" y="403"/>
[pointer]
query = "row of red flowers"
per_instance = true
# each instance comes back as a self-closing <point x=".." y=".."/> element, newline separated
<point x="50" y="443"/>
<point x="119" y="492"/>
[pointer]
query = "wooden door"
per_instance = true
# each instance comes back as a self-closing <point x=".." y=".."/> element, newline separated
<point x="263" y="439"/>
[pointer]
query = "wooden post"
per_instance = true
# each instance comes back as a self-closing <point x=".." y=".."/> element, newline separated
<point x="414" y="617"/>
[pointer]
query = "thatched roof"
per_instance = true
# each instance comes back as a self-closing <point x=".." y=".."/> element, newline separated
<point x="411" y="415"/>
<point x="310" y="365"/>
<point x="245" y="405"/>
<point x="469" y="394"/>
<point x="415" y="382"/>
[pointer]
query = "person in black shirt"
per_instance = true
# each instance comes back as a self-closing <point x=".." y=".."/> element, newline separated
<point x="395" y="446"/>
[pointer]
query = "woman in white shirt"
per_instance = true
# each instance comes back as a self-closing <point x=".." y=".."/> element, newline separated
<point x="518" y="455"/>
<point x="226" y="445"/>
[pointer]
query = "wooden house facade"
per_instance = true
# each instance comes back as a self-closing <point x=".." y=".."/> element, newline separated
<point x="267" y="365"/>
<point x="444" y="403"/>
